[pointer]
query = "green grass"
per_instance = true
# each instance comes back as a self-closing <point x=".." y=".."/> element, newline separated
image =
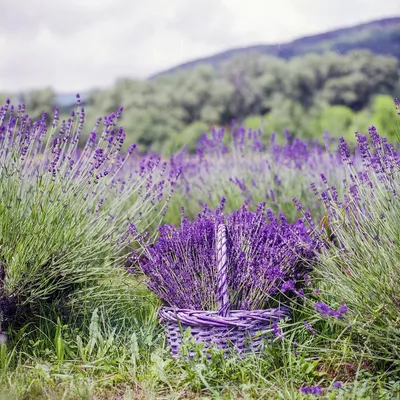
<point x="128" y="359"/>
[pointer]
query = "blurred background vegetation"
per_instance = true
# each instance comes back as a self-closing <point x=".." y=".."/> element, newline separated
<point x="339" y="82"/>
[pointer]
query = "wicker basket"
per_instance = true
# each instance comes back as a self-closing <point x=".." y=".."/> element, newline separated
<point x="243" y="331"/>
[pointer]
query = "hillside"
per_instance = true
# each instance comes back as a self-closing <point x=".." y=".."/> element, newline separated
<point x="380" y="37"/>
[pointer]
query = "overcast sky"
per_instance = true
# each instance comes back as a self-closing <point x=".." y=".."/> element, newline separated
<point x="76" y="45"/>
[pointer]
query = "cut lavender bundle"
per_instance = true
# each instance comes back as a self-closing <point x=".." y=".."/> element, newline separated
<point x="220" y="275"/>
<point x="267" y="256"/>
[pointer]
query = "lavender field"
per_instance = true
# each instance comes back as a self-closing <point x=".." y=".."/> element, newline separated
<point x="97" y="235"/>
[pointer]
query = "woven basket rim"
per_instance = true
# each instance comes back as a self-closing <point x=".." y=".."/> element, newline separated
<point x="236" y="318"/>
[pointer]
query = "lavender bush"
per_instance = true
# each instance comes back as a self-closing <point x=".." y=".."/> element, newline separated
<point x="361" y="267"/>
<point x="244" y="168"/>
<point x="68" y="213"/>
<point x="267" y="257"/>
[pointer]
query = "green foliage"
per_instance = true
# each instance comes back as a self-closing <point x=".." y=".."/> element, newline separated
<point x="339" y="121"/>
<point x="385" y="117"/>
<point x="361" y="75"/>
<point x="291" y="116"/>
<point x="289" y="94"/>
<point x="254" y="122"/>
<point x="39" y="101"/>
<point x="186" y="138"/>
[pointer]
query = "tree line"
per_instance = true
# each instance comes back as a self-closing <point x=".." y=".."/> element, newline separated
<point x="307" y="95"/>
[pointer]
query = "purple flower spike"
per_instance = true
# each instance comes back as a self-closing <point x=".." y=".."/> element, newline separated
<point x="327" y="311"/>
<point x="277" y="331"/>
<point x="315" y="390"/>
<point x="310" y="328"/>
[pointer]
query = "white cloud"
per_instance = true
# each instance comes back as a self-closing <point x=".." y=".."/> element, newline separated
<point x="75" y="45"/>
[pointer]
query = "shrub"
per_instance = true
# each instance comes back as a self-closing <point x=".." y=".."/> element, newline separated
<point x="247" y="169"/>
<point x="66" y="214"/>
<point x="362" y="269"/>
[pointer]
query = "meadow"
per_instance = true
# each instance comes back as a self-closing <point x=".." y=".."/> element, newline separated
<point x="77" y="320"/>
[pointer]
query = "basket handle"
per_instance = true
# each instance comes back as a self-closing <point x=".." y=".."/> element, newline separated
<point x="222" y="263"/>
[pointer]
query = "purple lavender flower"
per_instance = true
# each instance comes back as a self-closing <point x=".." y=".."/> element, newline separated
<point x="315" y="390"/>
<point x="323" y="309"/>
<point x="344" y="151"/>
<point x="341" y="311"/>
<point x="310" y="328"/>
<point x="277" y="331"/>
<point x="327" y="311"/>
<point x="297" y="203"/>
<point x="288" y="286"/>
